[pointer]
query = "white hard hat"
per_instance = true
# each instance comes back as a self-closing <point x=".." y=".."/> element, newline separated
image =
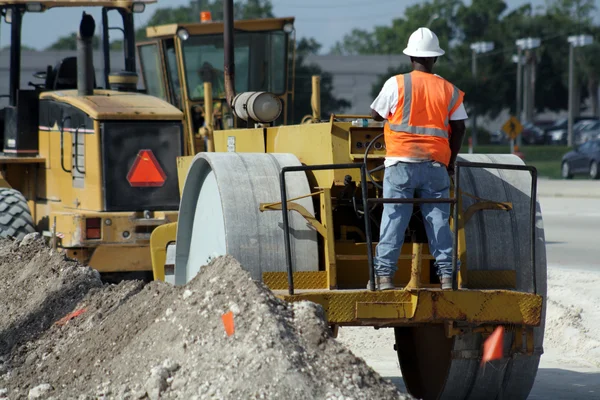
<point x="423" y="43"/>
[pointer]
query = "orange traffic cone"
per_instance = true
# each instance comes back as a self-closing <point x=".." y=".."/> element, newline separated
<point x="493" y="346"/>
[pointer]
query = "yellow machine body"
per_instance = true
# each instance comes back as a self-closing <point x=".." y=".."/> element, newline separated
<point x="169" y="61"/>
<point x="433" y="327"/>
<point x="344" y="261"/>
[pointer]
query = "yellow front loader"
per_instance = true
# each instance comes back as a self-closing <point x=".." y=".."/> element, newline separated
<point x="91" y="164"/>
<point x="299" y="206"/>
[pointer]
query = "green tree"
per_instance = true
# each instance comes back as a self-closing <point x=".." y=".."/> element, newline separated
<point x="438" y="14"/>
<point x="249" y="9"/>
<point x="70" y="43"/>
<point x="458" y="25"/>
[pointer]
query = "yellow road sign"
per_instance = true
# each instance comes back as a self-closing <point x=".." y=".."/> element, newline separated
<point x="512" y="127"/>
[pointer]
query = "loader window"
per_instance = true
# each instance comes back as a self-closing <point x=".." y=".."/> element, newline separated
<point x="260" y="63"/>
<point x="153" y="73"/>
<point x="173" y="73"/>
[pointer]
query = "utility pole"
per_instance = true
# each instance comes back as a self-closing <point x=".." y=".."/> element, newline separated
<point x="477" y="48"/>
<point x="526" y="89"/>
<point x="474" y="112"/>
<point x="571" y="87"/>
<point x="574" y="41"/>
<point x="528" y="86"/>
<point x="519" y="92"/>
<point x="532" y="71"/>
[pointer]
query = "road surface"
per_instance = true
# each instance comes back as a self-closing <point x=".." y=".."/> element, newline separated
<point x="571" y="217"/>
<point x="571" y="213"/>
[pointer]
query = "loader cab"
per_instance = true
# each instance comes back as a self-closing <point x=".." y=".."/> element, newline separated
<point x="179" y="58"/>
<point x="19" y="115"/>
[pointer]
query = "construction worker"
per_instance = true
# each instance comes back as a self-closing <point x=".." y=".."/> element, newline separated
<point x="423" y="134"/>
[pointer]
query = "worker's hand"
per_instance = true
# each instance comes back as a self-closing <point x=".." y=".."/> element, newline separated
<point x="450" y="169"/>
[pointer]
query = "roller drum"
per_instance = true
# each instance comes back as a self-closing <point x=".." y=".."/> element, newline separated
<point x="220" y="214"/>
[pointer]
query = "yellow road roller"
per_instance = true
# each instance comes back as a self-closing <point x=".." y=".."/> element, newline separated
<point x="299" y="206"/>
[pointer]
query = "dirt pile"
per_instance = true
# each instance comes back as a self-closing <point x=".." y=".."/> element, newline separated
<point x="36" y="288"/>
<point x="573" y="314"/>
<point x="135" y="341"/>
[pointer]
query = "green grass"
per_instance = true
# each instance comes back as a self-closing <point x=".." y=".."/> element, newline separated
<point x="545" y="158"/>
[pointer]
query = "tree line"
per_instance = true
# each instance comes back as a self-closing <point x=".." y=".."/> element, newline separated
<point x="459" y="25"/>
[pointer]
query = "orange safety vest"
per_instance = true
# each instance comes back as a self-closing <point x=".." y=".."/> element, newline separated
<point x="419" y="127"/>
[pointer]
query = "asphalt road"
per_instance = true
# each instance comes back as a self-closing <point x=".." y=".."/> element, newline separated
<point x="571" y="214"/>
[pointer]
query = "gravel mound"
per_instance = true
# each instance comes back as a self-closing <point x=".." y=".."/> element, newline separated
<point x="36" y="288"/>
<point x="573" y="314"/>
<point x="136" y="341"/>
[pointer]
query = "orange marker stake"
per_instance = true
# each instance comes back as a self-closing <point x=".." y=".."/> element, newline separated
<point x="228" y="323"/>
<point x="70" y="316"/>
<point x="493" y="346"/>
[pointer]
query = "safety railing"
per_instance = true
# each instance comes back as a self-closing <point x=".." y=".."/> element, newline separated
<point x="366" y="201"/>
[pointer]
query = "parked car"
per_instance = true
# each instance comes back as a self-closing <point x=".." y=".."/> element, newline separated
<point x="583" y="160"/>
<point x="590" y="130"/>
<point x="532" y="133"/>
<point x="557" y="133"/>
<point x="498" y="137"/>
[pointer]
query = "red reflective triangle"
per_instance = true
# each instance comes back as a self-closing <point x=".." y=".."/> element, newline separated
<point x="146" y="171"/>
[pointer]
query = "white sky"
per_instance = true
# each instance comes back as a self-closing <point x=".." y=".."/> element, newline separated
<point x="325" y="20"/>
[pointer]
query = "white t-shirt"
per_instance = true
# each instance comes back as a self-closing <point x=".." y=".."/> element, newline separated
<point x="385" y="105"/>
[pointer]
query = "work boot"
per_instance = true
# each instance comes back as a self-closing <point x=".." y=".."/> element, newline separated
<point x="383" y="283"/>
<point x="447" y="283"/>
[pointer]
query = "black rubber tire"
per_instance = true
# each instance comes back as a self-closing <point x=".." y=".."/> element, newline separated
<point x="594" y="170"/>
<point x="15" y="217"/>
<point x="565" y="173"/>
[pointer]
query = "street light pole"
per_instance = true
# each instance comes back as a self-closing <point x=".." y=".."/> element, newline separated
<point x="519" y="61"/>
<point x="571" y="88"/>
<point x="477" y="48"/>
<point x="574" y="41"/>
<point x="474" y="113"/>
<point x="528" y="87"/>
<point x="519" y="92"/>
<point x="432" y="18"/>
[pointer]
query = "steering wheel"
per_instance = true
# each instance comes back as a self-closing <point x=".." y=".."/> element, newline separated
<point x="379" y="168"/>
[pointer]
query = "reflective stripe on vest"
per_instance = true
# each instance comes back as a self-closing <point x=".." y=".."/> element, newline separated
<point x="404" y="125"/>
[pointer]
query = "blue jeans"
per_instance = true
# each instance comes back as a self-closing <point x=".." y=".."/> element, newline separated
<point x="409" y="180"/>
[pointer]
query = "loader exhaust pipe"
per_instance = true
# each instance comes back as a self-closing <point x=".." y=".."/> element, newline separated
<point x="229" y="67"/>
<point x="85" y="61"/>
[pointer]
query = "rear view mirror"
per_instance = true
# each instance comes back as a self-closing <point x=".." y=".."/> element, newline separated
<point x="8" y="16"/>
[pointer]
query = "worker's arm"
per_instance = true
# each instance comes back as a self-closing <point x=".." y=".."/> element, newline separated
<point x="385" y="101"/>
<point x="376" y="115"/>
<point x="456" y="138"/>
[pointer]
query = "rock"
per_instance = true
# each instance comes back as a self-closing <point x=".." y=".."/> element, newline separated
<point x="187" y="294"/>
<point x="157" y="382"/>
<point x="39" y="391"/>
<point x="3" y="393"/>
<point x="170" y="365"/>
<point x="29" y="238"/>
